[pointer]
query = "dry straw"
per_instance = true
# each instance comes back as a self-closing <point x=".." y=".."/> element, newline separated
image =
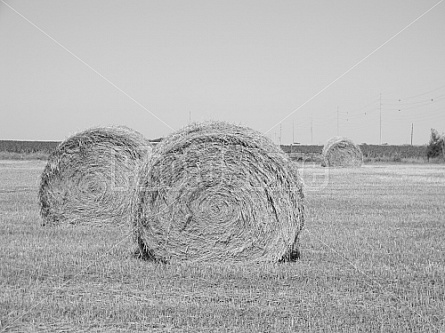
<point x="91" y="176"/>
<point x="341" y="152"/>
<point x="219" y="192"/>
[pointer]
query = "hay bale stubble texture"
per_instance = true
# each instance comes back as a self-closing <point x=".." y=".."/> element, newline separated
<point x="341" y="152"/>
<point x="91" y="176"/>
<point x="219" y="192"/>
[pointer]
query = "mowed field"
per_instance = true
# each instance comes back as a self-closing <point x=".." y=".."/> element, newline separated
<point x="373" y="260"/>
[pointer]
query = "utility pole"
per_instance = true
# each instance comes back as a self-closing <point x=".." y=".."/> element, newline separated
<point x="293" y="135"/>
<point x="412" y="130"/>
<point x="312" y="132"/>
<point x="280" y="134"/>
<point x="337" y="123"/>
<point x="380" y="118"/>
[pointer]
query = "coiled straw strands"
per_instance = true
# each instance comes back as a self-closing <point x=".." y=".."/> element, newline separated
<point x="341" y="152"/>
<point x="91" y="176"/>
<point x="219" y="192"/>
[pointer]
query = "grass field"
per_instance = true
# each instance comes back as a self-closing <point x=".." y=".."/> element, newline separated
<point x="373" y="260"/>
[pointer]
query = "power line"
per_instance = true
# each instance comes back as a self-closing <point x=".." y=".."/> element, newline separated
<point x="380" y="118"/>
<point x="312" y="133"/>
<point x="374" y="112"/>
<point x="424" y="93"/>
<point x="415" y="104"/>
<point x="337" y="123"/>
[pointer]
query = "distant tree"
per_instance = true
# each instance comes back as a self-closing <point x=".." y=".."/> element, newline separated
<point x="436" y="145"/>
<point x="442" y="141"/>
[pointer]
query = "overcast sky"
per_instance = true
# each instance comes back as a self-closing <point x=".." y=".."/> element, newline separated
<point x="306" y="69"/>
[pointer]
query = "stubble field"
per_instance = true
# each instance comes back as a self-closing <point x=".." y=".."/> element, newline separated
<point x="373" y="260"/>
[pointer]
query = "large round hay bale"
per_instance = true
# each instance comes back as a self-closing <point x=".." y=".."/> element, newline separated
<point x="91" y="176"/>
<point x="341" y="152"/>
<point x="219" y="192"/>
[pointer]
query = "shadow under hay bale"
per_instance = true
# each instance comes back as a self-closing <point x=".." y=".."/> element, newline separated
<point x="91" y="176"/>
<point x="341" y="152"/>
<point x="219" y="192"/>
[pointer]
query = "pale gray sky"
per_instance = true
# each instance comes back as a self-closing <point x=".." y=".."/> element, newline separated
<point x="69" y="65"/>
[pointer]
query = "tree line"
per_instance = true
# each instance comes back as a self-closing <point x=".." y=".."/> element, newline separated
<point x="27" y="147"/>
<point x="434" y="149"/>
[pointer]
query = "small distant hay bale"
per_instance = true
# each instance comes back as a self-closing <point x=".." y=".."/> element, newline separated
<point x="219" y="192"/>
<point x="341" y="152"/>
<point x="91" y="176"/>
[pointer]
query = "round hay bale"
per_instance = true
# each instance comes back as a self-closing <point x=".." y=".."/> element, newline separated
<point x="219" y="192"/>
<point x="91" y="176"/>
<point x="341" y="152"/>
